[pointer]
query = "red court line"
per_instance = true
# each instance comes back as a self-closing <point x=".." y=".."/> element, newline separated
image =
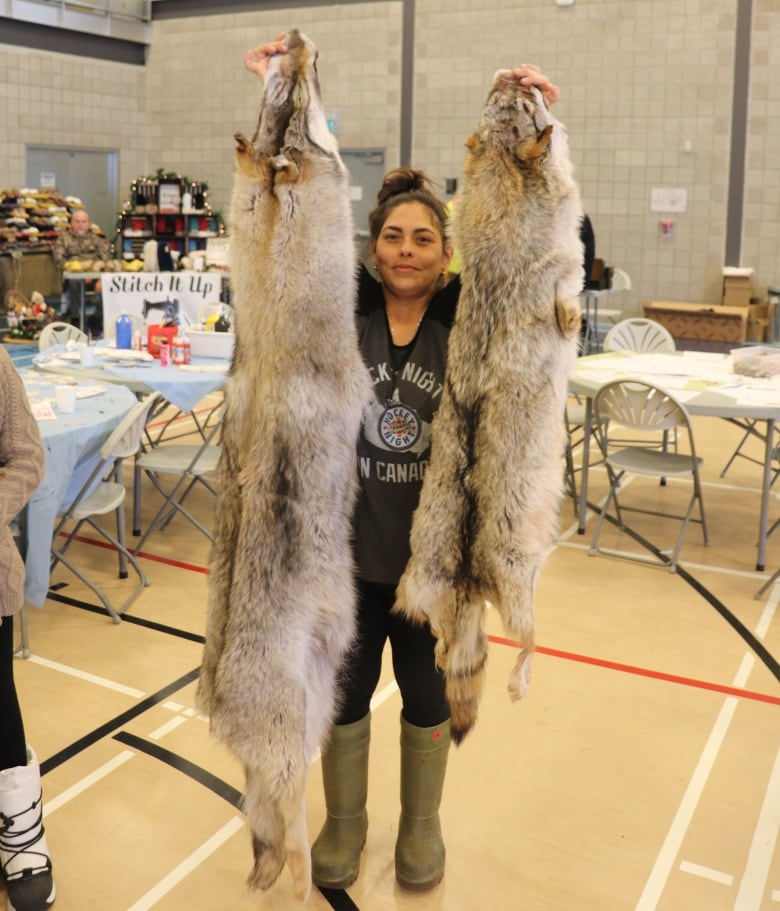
<point x="646" y="672"/>
<point x="179" y="564"/>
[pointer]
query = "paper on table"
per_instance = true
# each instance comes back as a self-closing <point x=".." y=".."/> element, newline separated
<point x="206" y="368"/>
<point x="85" y="392"/>
<point x="42" y="411"/>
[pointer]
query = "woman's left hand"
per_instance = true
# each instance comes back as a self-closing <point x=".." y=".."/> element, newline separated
<point x="530" y="74"/>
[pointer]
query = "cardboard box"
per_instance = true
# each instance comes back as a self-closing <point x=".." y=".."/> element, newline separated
<point x="700" y="327"/>
<point x="757" y="322"/>
<point x="737" y="287"/>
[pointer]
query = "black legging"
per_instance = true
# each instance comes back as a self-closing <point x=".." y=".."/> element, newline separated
<point x="13" y="750"/>
<point x="421" y="684"/>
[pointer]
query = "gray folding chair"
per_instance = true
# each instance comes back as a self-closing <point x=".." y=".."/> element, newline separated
<point x="643" y="407"/>
<point x="101" y="495"/>
<point x="189" y="464"/>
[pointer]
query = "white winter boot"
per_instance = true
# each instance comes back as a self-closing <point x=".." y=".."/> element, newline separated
<point x="24" y="857"/>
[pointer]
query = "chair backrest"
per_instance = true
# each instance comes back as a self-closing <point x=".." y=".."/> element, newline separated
<point x="639" y="405"/>
<point x="639" y="334"/>
<point x="59" y="334"/>
<point x="125" y="439"/>
<point x="621" y="281"/>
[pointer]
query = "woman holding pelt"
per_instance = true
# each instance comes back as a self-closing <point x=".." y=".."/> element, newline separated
<point x="405" y="310"/>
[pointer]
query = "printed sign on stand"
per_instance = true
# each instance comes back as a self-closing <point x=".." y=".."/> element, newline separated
<point x="136" y="293"/>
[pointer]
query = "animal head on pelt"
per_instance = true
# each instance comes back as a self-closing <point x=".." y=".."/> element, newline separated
<point x="517" y="127"/>
<point x="292" y="116"/>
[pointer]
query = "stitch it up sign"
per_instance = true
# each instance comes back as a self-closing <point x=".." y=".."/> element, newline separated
<point x="129" y="291"/>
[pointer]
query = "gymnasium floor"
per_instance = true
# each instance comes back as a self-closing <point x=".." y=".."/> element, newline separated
<point x="641" y="772"/>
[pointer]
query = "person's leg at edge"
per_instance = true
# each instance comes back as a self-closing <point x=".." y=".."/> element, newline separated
<point x="425" y="742"/>
<point x="24" y="854"/>
<point x="335" y="854"/>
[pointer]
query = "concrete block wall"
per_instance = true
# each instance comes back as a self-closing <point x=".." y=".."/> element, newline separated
<point x="646" y="97"/>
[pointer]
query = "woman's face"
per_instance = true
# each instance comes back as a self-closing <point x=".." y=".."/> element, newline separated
<point x="409" y="253"/>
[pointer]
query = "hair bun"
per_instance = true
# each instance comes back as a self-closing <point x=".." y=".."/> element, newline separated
<point x="402" y="180"/>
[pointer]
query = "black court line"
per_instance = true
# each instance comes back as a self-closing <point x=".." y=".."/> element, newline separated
<point x="118" y="721"/>
<point x="217" y="785"/>
<point x="129" y="618"/>
<point x="336" y="898"/>
<point x="761" y="651"/>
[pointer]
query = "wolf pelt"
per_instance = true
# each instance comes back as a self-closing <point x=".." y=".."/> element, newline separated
<point x="490" y="501"/>
<point x="281" y="597"/>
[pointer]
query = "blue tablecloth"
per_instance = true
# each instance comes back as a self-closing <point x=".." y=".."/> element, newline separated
<point x="183" y="387"/>
<point x="71" y="445"/>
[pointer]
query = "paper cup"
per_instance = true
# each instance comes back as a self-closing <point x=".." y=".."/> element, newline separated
<point x="66" y="399"/>
<point x="86" y="356"/>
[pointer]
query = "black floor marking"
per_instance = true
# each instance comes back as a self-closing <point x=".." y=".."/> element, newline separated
<point x="128" y="618"/>
<point x="219" y="787"/>
<point x="119" y="721"/>
<point x="336" y="898"/>
<point x="736" y="624"/>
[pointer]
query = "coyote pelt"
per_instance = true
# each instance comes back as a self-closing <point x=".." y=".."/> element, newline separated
<point x="489" y="504"/>
<point x="281" y="596"/>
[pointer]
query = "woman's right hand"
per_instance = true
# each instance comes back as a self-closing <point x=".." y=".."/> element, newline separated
<point x="256" y="60"/>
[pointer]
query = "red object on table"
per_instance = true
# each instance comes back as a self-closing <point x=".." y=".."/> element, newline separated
<point x="157" y="335"/>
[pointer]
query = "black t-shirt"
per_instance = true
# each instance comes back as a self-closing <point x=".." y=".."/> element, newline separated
<point x="395" y="440"/>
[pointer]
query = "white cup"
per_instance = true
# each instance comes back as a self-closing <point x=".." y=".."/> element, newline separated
<point x="66" y="398"/>
<point x="86" y="356"/>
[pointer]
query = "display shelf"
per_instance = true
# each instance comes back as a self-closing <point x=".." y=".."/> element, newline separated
<point x="167" y="208"/>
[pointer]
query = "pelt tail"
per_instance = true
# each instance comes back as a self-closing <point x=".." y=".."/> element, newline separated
<point x="461" y="652"/>
<point x="275" y="814"/>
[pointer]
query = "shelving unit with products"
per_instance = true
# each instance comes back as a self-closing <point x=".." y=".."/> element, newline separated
<point x="169" y="208"/>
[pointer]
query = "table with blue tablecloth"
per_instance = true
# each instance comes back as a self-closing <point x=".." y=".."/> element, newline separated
<point x="71" y="444"/>
<point x="183" y="386"/>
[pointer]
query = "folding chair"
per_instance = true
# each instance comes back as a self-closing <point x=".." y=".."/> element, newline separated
<point x="59" y="334"/>
<point x="644" y="407"/>
<point x="639" y="334"/>
<point x="191" y="463"/>
<point x="101" y="495"/>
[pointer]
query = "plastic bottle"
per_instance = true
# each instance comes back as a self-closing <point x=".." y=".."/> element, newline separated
<point x="124" y="331"/>
<point x="177" y="350"/>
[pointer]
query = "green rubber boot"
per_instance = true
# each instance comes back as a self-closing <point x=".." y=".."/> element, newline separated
<point x="335" y="854"/>
<point x="419" y="850"/>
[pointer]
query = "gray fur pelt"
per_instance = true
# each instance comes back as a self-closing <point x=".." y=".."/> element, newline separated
<point x="490" y="501"/>
<point x="281" y="593"/>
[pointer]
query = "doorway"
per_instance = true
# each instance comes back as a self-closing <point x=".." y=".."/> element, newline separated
<point x="92" y="175"/>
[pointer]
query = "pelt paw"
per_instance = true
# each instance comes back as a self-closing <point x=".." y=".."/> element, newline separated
<point x="569" y="316"/>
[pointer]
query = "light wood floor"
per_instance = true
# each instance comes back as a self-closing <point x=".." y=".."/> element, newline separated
<point x="641" y="772"/>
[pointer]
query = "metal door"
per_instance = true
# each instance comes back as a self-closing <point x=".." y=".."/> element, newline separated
<point x="366" y="169"/>
<point x="90" y="174"/>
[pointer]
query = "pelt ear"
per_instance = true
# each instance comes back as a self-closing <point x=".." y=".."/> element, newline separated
<point x="245" y="152"/>
<point x="532" y="149"/>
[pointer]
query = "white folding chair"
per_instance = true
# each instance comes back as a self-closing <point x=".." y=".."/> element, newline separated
<point x="639" y="334"/>
<point x="101" y="495"/>
<point x="643" y="407"/>
<point x="60" y="334"/>
<point x="191" y="464"/>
